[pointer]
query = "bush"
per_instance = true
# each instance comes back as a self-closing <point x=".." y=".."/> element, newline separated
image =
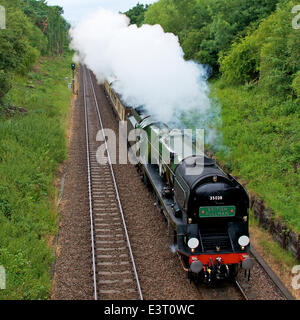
<point x="5" y="84"/>
<point x="208" y="27"/>
<point x="274" y="67"/>
<point x="296" y="84"/>
<point x="242" y="64"/>
<point x="270" y="54"/>
<point x="262" y="134"/>
<point x="32" y="145"/>
<point x="22" y="42"/>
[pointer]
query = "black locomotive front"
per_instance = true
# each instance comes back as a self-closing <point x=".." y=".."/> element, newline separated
<point x="213" y="238"/>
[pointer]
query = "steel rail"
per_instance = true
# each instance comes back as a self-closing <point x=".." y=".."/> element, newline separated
<point x="241" y="290"/>
<point x="116" y="189"/>
<point x="89" y="184"/>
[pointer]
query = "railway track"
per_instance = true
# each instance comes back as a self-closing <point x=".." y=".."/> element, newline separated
<point x="244" y="289"/>
<point x="115" y="275"/>
<point x="114" y="271"/>
<point x="241" y="290"/>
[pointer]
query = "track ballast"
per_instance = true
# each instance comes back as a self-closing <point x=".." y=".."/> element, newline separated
<point x="114" y="272"/>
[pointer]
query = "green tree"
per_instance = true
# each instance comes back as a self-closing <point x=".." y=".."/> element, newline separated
<point x="137" y="14"/>
<point x="206" y="28"/>
<point x="296" y="85"/>
<point x="50" y="21"/>
<point x="16" y="52"/>
<point x="32" y="28"/>
<point x="174" y="16"/>
<point x="270" y="54"/>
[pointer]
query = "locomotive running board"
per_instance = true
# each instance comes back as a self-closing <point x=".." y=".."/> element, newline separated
<point x="158" y="187"/>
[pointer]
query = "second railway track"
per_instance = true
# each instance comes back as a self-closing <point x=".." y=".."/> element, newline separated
<point x="114" y="272"/>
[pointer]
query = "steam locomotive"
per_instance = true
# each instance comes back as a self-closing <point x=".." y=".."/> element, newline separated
<point x="206" y="208"/>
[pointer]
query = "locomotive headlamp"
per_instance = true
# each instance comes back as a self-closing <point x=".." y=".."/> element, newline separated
<point x="193" y="243"/>
<point x="243" y="241"/>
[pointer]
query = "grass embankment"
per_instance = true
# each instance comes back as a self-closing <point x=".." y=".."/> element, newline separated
<point x="32" y="145"/>
<point x="263" y="137"/>
<point x="263" y="140"/>
<point x="281" y="261"/>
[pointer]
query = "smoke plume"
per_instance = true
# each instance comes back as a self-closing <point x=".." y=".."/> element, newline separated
<point x="148" y="64"/>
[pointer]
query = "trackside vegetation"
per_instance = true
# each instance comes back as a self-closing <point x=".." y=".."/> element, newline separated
<point x="34" y="105"/>
<point x="259" y="92"/>
<point x="33" y="29"/>
<point x="254" y="53"/>
<point x="32" y="145"/>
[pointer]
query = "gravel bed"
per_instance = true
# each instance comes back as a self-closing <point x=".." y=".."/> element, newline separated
<point x="260" y="286"/>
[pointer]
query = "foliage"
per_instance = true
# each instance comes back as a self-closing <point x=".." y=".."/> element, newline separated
<point x="296" y="84"/>
<point x="242" y="64"/>
<point x="50" y="21"/>
<point x="5" y="84"/>
<point x="262" y="134"/>
<point x="270" y="54"/>
<point x="173" y="15"/>
<point x="24" y="39"/>
<point x="32" y="145"/>
<point x="272" y="251"/>
<point x="16" y="52"/>
<point x="280" y="52"/>
<point x="259" y="92"/>
<point x="206" y="28"/>
<point x="137" y="14"/>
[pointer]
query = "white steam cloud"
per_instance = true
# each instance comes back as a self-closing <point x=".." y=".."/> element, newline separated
<point x="147" y="62"/>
